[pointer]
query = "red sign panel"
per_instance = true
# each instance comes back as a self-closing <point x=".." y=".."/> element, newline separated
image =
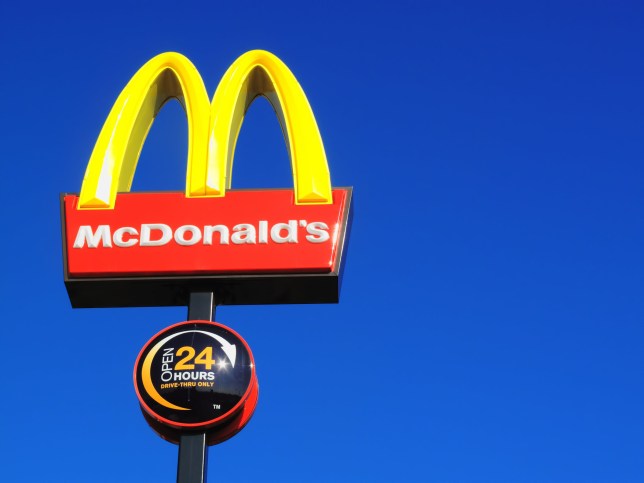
<point x="169" y="234"/>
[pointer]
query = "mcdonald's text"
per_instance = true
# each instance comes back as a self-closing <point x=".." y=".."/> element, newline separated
<point x="159" y="234"/>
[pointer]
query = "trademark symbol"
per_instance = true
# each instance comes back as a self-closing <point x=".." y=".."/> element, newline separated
<point x="216" y="406"/>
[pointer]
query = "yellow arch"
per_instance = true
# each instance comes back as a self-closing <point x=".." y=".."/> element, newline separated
<point x="113" y="162"/>
<point x="212" y="133"/>
<point x="260" y="73"/>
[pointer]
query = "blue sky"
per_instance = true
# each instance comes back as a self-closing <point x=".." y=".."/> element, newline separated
<point x="490" y="327"/>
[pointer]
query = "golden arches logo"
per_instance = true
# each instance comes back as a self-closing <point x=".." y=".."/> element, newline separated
<point x="212" y="129"/>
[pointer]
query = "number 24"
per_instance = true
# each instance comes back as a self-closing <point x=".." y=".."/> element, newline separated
<point x="204" y="357"/>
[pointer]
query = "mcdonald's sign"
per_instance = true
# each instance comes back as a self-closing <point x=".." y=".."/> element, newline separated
<point x="247" y="246"/>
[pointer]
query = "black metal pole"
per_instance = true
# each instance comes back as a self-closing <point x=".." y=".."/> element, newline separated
<point x="193" y="458"/>
<point x="193" y="451"/>
<point x="201" y="306"/>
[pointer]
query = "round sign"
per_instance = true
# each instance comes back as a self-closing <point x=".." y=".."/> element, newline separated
<point x="196" y="375"/>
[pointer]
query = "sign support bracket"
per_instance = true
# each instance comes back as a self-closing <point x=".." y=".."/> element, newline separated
<point x="193" y="450"/>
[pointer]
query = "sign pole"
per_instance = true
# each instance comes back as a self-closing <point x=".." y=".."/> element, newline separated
<point x="201" y="306"/>
<point x="193" y="458"/>
<point x="193" y="451"/>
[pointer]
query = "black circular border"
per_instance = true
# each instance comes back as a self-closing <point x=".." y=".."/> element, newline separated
<point x="252" y="385"/>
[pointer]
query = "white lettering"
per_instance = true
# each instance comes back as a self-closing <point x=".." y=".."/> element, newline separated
<point x="126" y="230"/>
<point x="263" y="231"/>
<point x="146" y="232"/>
<point x="180" y="235"/>
<point x="159" y="234"/>
<point x="318" y="232"/>
<point x="291" y="232"/>
<point x="245" y="233"/>
<point x="85" y="234"/>
<point x="223" y="231"/>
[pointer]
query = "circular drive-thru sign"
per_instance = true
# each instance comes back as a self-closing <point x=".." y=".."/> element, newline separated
<point x="196" y="376"/>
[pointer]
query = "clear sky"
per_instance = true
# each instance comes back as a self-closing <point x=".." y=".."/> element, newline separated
<point x="491" y="320"/>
